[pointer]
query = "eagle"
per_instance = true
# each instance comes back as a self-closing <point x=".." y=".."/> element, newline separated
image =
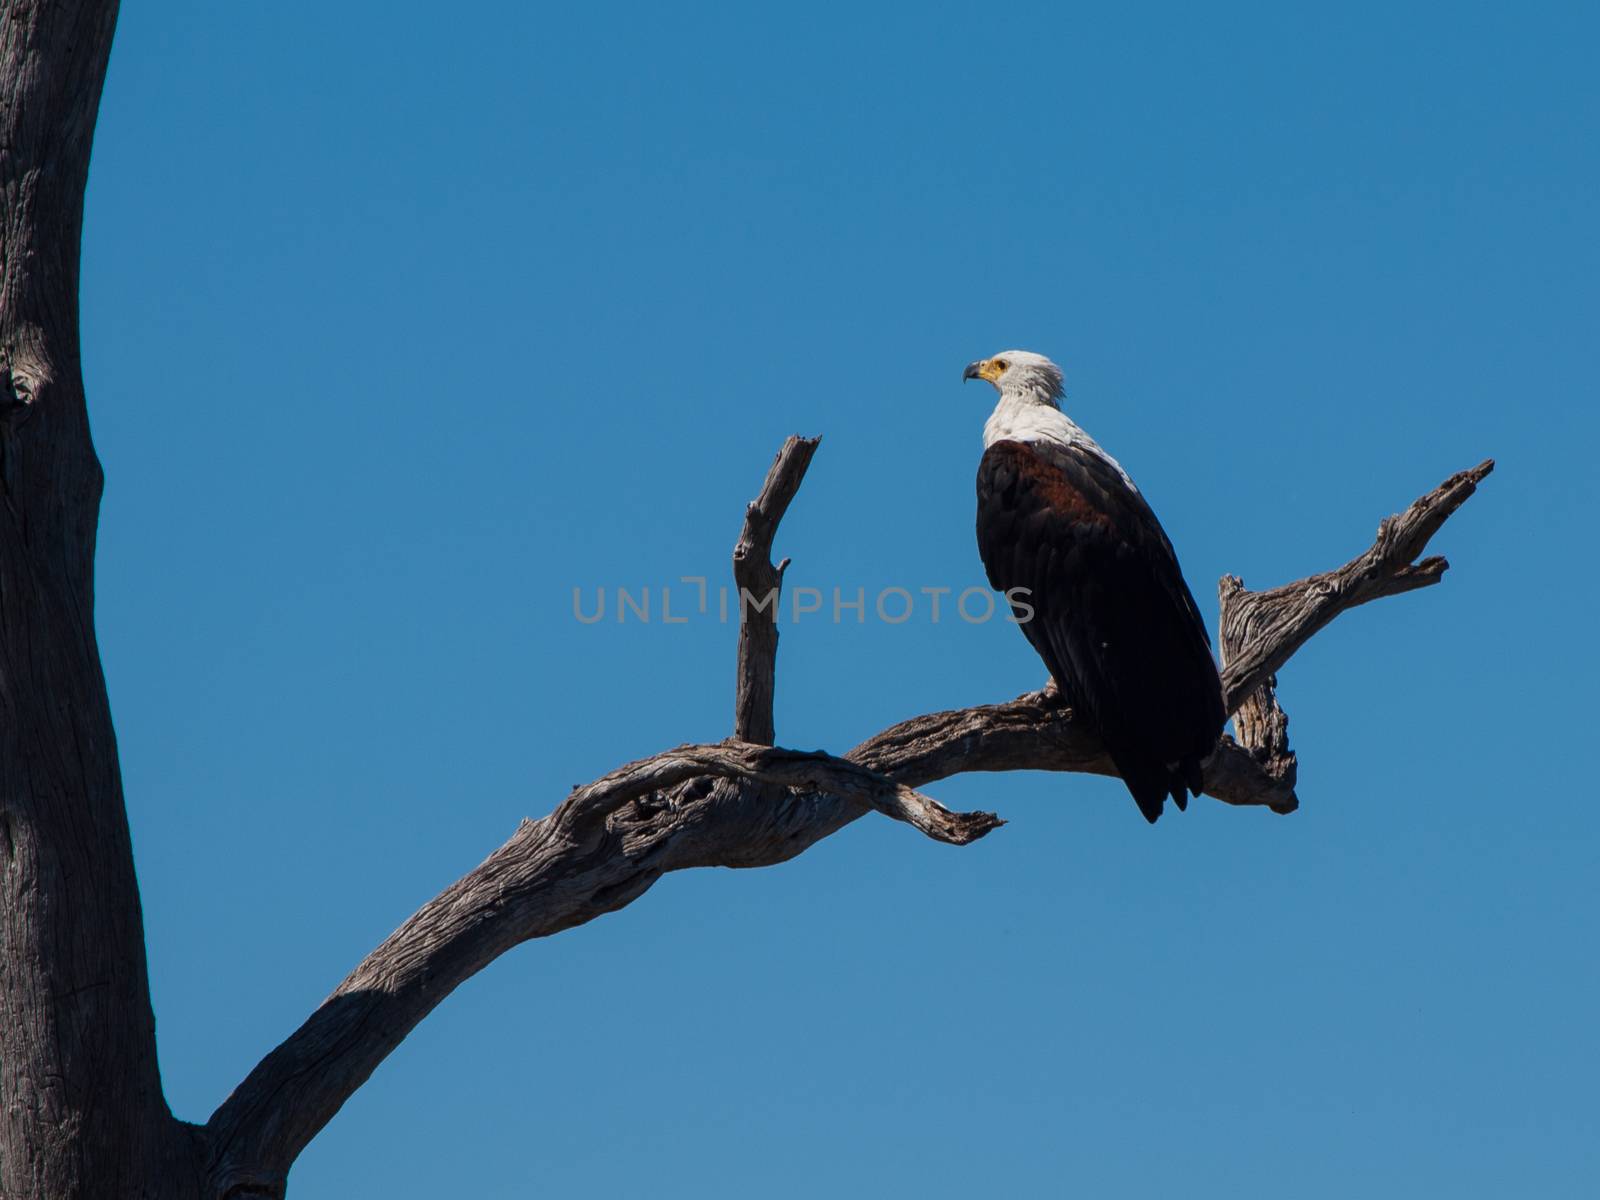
<point x="1095" y="585"/>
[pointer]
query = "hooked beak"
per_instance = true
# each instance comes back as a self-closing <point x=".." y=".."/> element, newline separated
<point x="974" y="371"/>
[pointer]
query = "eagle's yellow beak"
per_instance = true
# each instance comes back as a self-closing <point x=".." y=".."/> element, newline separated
<point x="987" y="369"/>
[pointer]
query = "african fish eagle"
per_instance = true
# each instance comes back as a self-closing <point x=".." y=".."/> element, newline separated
<point x="1112" y="617"/>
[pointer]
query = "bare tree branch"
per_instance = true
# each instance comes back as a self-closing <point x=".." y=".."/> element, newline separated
<point x="1262" y="729"/>
<point x="571" y="853"/>
<point x="740" y="804"/>
<point x="1262" y="630"/>
<point x="806" y="771"/>
<point x="1035" y="732"/>
<point x="755" y="576"/>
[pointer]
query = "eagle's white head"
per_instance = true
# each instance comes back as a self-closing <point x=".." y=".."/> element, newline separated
<point x="1029" y="407"/>
<point x="1020" y="375"/>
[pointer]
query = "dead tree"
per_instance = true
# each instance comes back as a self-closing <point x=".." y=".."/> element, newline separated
<point x="82" y="1114"/>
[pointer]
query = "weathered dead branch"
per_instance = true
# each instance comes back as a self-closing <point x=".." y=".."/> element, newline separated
<point x="757" y="583"/>
<point x="1261" y="630"/>
<point x="745" y="803"/>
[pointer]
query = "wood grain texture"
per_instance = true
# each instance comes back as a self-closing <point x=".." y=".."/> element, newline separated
<point x="81" y="1108"/>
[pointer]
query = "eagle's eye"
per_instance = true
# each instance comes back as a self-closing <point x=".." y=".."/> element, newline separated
<point x="1001" y="364"/>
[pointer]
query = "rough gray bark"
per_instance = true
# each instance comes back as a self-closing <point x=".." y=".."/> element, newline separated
<point x="81" y="1109"/>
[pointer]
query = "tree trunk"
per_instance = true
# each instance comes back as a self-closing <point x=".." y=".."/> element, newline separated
<point x="82" y="1112"/>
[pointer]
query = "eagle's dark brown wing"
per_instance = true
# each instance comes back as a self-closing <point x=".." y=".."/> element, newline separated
<point x="1113" y="619"/>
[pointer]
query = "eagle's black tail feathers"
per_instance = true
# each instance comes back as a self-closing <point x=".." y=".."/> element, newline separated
<point x="1151" y="784"/>
<point x="1188" y="778"/>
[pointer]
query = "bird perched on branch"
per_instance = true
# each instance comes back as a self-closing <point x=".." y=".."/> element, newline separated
<point x="1062" y="528"/>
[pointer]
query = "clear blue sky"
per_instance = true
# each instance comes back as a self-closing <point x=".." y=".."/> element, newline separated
<point x="400" y="323"/>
